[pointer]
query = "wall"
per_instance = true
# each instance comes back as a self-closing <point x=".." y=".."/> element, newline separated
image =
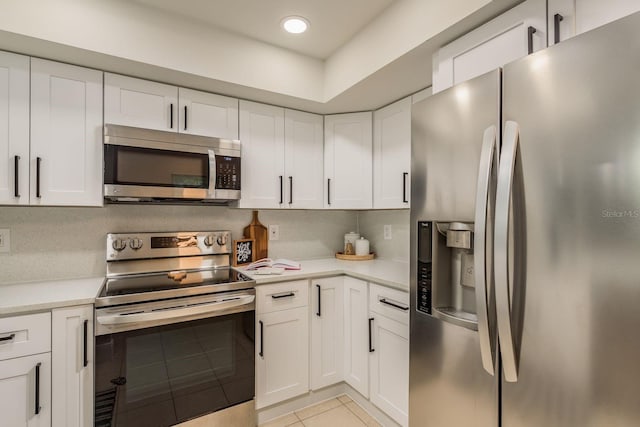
<point x="57" y="243"/>
<point x="371" y="225"/>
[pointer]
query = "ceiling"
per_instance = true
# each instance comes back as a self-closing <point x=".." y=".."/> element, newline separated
<point x="332" y="22"/>
<point x="358" y="54"/>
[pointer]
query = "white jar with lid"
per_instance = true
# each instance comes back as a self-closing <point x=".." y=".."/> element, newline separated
<point x="362" y="246"/>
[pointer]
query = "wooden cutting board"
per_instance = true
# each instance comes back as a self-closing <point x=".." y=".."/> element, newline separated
<point x="259" y="232"/>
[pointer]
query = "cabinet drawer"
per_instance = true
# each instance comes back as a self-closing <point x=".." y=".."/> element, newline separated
<point x="25" y="335"/>
<point x="389" y="302"/>
<point x="282" y="296"/>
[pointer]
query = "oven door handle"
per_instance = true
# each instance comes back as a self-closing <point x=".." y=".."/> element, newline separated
<point x="174" y="313"/>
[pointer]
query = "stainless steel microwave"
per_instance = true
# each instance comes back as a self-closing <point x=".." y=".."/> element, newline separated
<point x="144" y="165"/>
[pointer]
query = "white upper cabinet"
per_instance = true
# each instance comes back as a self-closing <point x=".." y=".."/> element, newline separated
<point x="66" y="134"/>
<point x="140" y="103"/>
<point x="568" y="18"/>
<point x="392" y="155"/>
<point x="348" y="161"/>
<point x="207" y="114"/>
<point x="327" y="332"/>
<point x="262" y="136"/>
<point x="510" y="36"/>
<point x="303" y="153"/>
<point x="14" y="129"/>
<point x="145" y="104"/>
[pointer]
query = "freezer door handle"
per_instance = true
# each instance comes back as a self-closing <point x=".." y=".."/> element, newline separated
<point x="485" y="203"/>
<point x="501" y="251"/>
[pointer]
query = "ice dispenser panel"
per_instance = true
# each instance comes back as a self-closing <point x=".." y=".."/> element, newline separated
<point x="424" y="267"/>
<point x="446" y="280"/>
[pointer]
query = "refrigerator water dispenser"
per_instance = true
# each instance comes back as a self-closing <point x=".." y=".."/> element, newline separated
<point x="446" y="248"/>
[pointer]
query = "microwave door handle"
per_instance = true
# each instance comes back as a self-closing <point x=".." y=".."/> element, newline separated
<point x="212" y="174"/>
<point x="485" y="201"/>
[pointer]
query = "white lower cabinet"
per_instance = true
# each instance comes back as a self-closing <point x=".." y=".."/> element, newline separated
<point x="72" y="361"/>
<point x="356" y="335"/>
<point x="390" y="367"/>
<point x="350" y="330"/>
<point x="327" y="332"/>
<point x="25" y="370"/>
<point x="282" y="342"/>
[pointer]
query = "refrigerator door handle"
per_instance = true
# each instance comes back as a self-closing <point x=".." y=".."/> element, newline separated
<point x="501" y="251"/>
<point x="484" y="273"/>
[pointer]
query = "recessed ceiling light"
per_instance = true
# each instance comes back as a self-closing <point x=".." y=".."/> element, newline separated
<point x="295" y="24"/>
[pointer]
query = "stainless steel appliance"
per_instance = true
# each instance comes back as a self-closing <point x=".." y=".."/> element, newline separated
<point x="554" y="231"/>
<point x="175" y="328"/>
<point x="151" y="165"/>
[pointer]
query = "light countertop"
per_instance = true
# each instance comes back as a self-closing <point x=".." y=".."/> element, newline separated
<point x="37" y="296"/>
<point x="394" y="274"/>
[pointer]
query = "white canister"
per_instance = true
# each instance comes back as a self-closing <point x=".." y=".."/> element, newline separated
<point x="350" y="237"/>
<point x="362" y="246"/>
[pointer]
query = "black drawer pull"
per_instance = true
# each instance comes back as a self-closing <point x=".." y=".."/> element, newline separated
<point x="16" y="176"/>
<point x="8" y="338"/>
<point x="530" y="32"/>
<point x="281" y="190"/>
<point x="290" y="294"/>
<point x="384" y="301"/>
<point x="37" y="411"/>
<point x="290" y="190"/>
<point x="38" y="161"/>
<point x="170" y="116"/>
<point x="557" y="18"/>
<point x="319" y="313"/>
<point x="404" y="187"/>
<point x="85" y="356"/>
<point x="328" y="191"/>
<point x="261" y="353"/>
<point x="371" y="349"/>
<point x="185" y="117"/>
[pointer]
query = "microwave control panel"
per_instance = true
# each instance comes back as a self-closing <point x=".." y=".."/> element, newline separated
<point x="227" y="173"/>
<point x="424" y="270"/>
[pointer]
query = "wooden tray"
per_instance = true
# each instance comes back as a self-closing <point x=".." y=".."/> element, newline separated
<point x="340" y="255"/>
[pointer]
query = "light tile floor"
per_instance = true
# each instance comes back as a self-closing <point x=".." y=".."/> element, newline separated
<point x="338" y="412"/>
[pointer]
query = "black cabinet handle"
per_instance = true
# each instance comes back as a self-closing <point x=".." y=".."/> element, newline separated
<point x="8" y="338"/>
<point x="290" y="190"/>
<point x="404" y="187"/>
<point x="290" y="294"/>
<point x="16" y="176"/>
<point x="185" y="117"/>
<point x="530" y="32"/>
<point x="281" y="190"/>
<point x="37" y="411"/>
<point x="384" y="301"/>
<point x="170" y="116"/>
<point x="371" y="349"/>
<point x="319" y="313"/>
<point x="328" y="191"/>
<point x="261" y="353"/>
<point x="85" y="357"/>
<point x="557" y="18"/>
<point x="38" y="161"/>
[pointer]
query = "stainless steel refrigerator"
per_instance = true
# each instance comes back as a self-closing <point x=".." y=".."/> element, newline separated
<point x="525" y="241"/>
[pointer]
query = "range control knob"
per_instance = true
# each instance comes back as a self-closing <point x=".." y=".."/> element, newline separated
<point x="222" y="240"/>
<point x="209" y="240"/>
<point x="119" y="244"/>
<point x="135" y="244"/>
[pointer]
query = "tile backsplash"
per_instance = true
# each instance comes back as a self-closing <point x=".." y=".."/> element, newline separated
<point x="371" y="225"/>
<point x="62" y="242"/>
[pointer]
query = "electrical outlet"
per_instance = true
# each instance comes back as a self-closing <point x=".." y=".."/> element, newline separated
<point x="5" y="240"/>
<point x="274" y="232"/>
<point x="387" y="232"/>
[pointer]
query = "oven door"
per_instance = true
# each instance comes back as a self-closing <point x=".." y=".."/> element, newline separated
<point x="159" y="170"/>
<point x="160" y="366"/>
